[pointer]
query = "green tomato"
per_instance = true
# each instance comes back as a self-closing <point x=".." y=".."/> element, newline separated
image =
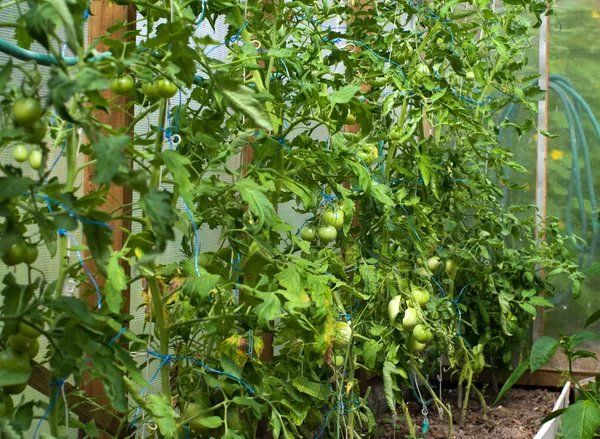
<point x="35" y="159"/>
<point x="31" y="254"/>
<point x="422" y="334"/>
<point x="394" y="308"/>
<point x="395" y="134"/>
<point x="421" y="72"/>
<point x="34" y="350"/>
<point x="343" y="335"/>
<point x="14" y="362"/>
<point x="193" y="414"/>
<point x="334" y="218"/>
<point x="366" y="158"/>
<point x="15" y="254"/>
<point x="166" y="88"/>
<point x="308" y="233"/>
<point x="350" y="119"/>
<point x="40" y="127"/>
<point x="422" y="272"/>
<point x="415" y="346"/>
<point x="20" y="153"/>
<point x="470" y="75"/>
<point x="27" y="111"/>
<point x="327" y="234"/>
<point x="21" y="344"/>
<point x="421" y="295"/>
<point x="459" y="195"/>
<point x="122" y="86"/>
<point x="337" y="360"/>
<point x="449" y="267"/>
<point x="410" y="320"/>
<point x="433" y="263"/>
<point x="150" y="89"/>
<point x="6" y="405"/>
<point x="28" y="331"/>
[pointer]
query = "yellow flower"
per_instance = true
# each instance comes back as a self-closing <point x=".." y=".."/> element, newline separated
<point x="561" y="225"/>
<point x="556" y="154"/>
<point x="595" y="14"/>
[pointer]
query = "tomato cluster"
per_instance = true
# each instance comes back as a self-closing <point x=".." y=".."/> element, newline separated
<point x="20" y="252"/>
<point x="330" y="222"/>
<point x="412" y="321"/>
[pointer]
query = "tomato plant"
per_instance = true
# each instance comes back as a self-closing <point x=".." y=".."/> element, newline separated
<point x="236" y="148"/>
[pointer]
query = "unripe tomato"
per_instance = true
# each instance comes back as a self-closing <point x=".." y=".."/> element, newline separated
<point x="343" y="335"/>
<point x="422" y="272"/>
<point x="34" y="349"/>
<point x="40" y="127"/>
<point x="394" y="308"/>
<point x="166" y="88"/>
<point x="14" y="362"/>
<point x="421" y="72"/>
<point x="308" y="233"/>
<point x="459" y="195"/>
<point x="350" y="119"/>
<point x="422" y="334"/>
<point x="28" y="331"/>
<point x="150" y="89"/>
<point x="27" y="111"/>
<point x="366" y="158"/>
<point x="334" y="218"/>
<point x="410" y="320"/>
<point x="15" y="254"/>
<point x="470" y="75"/>
<point x="35" y="159"/>
<point x="395" y="134"/>
<point x="193" y="414"/>
<point x="449" y="266"/>
<point x="20" y="153"/>
<point x="31" y="254"/>
<point x="415" y="346"/>
<point x="421" y="295"/>
<point x="327" y="234"/>
<point x="337" y="360"/>
<point x="433" y="263"/>
<point x="6" y="404"/>
<point x="21" y="344"/>
<point x="122" y="86"/>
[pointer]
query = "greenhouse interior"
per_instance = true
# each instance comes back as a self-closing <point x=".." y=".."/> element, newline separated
<point x="299" y="219"/>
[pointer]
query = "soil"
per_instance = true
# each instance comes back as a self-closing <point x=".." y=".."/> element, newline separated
<point x="517" y="416"/>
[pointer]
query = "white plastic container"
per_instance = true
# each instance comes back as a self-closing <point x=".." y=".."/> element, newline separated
<point x="549" y="429"/>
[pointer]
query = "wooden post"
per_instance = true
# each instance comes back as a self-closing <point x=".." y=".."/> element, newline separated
<point x="103" y="15"/>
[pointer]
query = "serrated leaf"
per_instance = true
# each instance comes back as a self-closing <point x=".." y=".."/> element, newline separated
<point x="248" y="402"/>
<point x="370" y="350"/>
<point x="344" y="94"/>
<point x="309" y="388"/>
<point x="199" y="288"/>
<point x="91" y="430"/>
<point x="261" y="207"/>
<point x="268" y="310"/>
<point x="116" y="283"/>
<point x="157" y="206"/>
<point x="425" y="165"/>
<point x="580" y="420"/>
<point x="244" y="99"/>
<point x="512" y="379"/>
<point x="389" y="369"/>
<point x="177" y="166"/>
<point x="109" y="156"/>
<point x="542" y="352"/>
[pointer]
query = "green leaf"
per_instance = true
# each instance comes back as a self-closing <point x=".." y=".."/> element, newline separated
<point x="593" y="269"/>
<point x="257" y="202"/>
<point x="112" y="378"/>
<point x="248" y="402"/>
<point x="23" y="417"/>
<point x="110" y="157"/>
<point x="552" y="415"/>
<point x="176" y="164"/>
<point x="344" y="94"/>
<point x="163" y="413"/>
<point x="91" y="430"/>
<point x="425" y="165"/>
<point x="580" y="420"/>
<point x="199" y="288"/>
<point x="370" y="350"/>
<point x="62" y="9"/>
<point x="268" y="310"/>
<point x="579" y="338"/>
<point x="389" y="369"/>
<point x="211" y="421"/>
<point x="310" y="388"/>
<point x="116" y="283"/>
<point x="512" y="379"/>
<point x="540" y="301"/>
<point x="542" y="352"/>
<point x="275" y="424"/>
<point x="10" y="377"/>
<point x="528" y="308"/>
<point x="592" y="319"/>
<point x="157" y="205"/>
<point x="98" y="240"/>
<point x="244" y="99"/>
<point x="230" y="367"/>
<point x="5" y="74"/>
<point x="13" y="187"/>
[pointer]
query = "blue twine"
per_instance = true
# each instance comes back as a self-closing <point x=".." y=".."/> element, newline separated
<point x="235" y="264"/>
<point x="233" y="39"/>
<point x="345" y="316"/>
<point x="63" y="232"/>
<point x="304" y="224"/>
<point x="202" y="15"/>
<point x="56" y="160"/>
<point x="59" y="384"/>
<point x="69" y="211"/>
<point x="341" y="406"/>
<point x="281" y="141"/>
<point x="439" y="286"/>
<point x="410" y="221"/>
<point x="116" y="337"/>
<point x="425" y="425"/>
<point x="187" y="431"/>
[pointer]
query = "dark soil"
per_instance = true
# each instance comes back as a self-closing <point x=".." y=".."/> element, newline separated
<point x="517" y="416"/>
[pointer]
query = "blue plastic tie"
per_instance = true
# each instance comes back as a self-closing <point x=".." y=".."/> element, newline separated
<point x="116" y="337"/>
<point x="63" y="232"/>
<point x="69" y="211"/>
<point x="58" y="383"/>
<point x="410" y="221"/>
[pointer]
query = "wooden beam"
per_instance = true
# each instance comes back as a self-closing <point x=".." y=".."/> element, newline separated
<point x="103" y="15"/>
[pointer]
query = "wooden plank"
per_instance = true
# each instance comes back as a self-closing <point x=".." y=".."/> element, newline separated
<point x="103" y="15"/>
